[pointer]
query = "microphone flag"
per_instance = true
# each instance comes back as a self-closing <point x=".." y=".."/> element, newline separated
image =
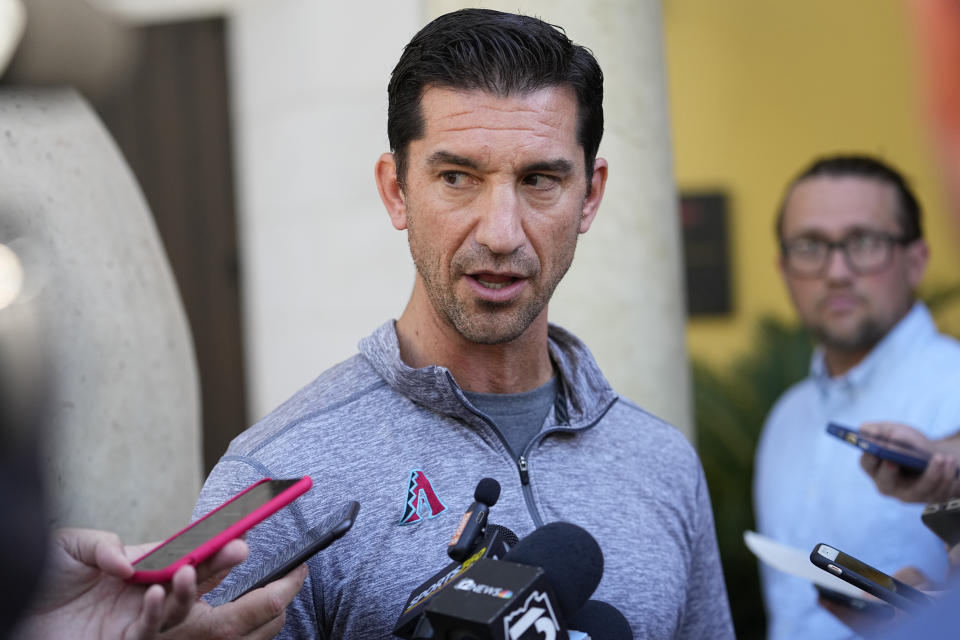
<point x="495" y="544"/>
<point x="495" y="600"/>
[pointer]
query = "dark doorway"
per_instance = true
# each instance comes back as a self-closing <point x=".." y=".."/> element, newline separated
<point x="171" y="119"/>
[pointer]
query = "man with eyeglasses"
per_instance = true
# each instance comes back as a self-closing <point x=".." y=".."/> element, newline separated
<point x="852" y="254"/>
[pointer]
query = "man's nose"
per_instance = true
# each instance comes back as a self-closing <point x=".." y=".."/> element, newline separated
<point x="500" y="224"/>
<point x="838" y="265"/>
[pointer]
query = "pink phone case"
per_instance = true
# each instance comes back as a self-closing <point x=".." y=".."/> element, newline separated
<point x="214" y="544"/>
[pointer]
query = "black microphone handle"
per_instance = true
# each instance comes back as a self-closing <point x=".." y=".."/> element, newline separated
<point x="474" y="520"/>
<point x="468" y="531"/>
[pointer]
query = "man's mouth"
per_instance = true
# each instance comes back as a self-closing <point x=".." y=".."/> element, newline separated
<point x="494" y="281"/>
<point x="840" y="301"/>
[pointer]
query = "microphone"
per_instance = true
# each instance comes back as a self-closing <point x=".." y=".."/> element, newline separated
<point x="496" y="541"/>
<point x="474" y="519"/>
<point x="570" y="558"/>
<point x="546" y="578"/>
<point x="600" y="621"/>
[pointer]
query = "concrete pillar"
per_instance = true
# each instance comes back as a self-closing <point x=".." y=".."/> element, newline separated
<point x="123" y="431"/>
<point x="322" y="266"/>
<point x="624" y="296"/>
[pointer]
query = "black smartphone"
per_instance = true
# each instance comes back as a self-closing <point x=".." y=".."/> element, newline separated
<point x="873" y="581"/>
<point x="294" y="554"/>
<point x="874" y="608"/>
<point x="943" y="518"/>
<point x="912" y="461"/>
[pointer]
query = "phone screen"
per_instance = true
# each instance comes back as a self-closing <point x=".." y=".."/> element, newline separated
<point x="868" y="572"/>
<point x="212" y="524"/>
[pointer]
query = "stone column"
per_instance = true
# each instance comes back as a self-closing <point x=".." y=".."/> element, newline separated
<point x="624" y="296"/>
<point x="122" y="405"/>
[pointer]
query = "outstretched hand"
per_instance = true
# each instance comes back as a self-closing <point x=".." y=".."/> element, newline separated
<point x="937" y="483"/>
<point x="86" y="594"/>
<point x="259" y="615"/>
<point x="865" y="623"/>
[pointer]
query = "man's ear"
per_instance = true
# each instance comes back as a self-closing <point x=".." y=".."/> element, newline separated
<point x="591" y="204"/>
<point x="390" y="192"/>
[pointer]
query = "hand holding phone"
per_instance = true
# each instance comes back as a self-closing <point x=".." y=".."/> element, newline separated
<point x="943" y="518"/>
<point x="910" y="459"/>
<point x="873" y="608"/>
<point x="871" y="580"/>
<point x="202" y="538"/>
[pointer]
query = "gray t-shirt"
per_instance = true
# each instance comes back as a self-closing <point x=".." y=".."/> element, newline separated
<point x="518" y="415"/>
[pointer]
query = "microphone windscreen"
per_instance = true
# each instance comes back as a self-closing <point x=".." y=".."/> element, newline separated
<point x="509" y="537"/>
<point x="487" y="492"/>
<point x="570" y="557"/>
<point x="599" y="620"/>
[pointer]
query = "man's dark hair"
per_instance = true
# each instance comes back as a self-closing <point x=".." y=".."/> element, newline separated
<point x="500" y="53"/>
<point x="862" y="166"/>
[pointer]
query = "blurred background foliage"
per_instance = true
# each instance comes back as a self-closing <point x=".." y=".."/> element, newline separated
<point x="730" y="405"/>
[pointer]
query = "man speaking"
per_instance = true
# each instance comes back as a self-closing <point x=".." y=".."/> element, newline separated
<point x="494" y="124"/>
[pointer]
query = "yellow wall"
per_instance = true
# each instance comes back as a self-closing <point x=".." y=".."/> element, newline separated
<point x="760" y="87"/>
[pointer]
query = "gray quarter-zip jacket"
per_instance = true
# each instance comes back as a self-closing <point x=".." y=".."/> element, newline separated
<point x="410" y="448"/>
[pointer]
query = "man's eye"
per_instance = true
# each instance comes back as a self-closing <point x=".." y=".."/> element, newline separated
<point x="454" y="178"/>
<point x="540" y="181"/>
<point x="864" y="242"/>
<point x="807" y="246"/>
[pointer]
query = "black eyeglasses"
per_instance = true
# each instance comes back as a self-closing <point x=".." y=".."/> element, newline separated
<point x="865" y="252"/>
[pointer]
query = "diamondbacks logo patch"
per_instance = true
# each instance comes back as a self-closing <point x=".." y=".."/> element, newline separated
<point x="422" y="501"/>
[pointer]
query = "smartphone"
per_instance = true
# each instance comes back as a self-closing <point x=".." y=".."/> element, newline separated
<point x="943" y="518"/>
<point x="318" y="538"/>
<point x="204" y="537"/>
<point x="874" y="608"/>
<point x="912" y="461"/>
<point x="871" y="580"/>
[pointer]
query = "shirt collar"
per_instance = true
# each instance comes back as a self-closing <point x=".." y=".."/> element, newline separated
<point x="915" y="327"/>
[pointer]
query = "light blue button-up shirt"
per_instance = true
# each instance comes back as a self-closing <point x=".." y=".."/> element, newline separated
<point x="809" y="487"/>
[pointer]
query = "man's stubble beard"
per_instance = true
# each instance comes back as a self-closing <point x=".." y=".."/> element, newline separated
<point x="492" y="323"/>
<point x="866" y="336"/>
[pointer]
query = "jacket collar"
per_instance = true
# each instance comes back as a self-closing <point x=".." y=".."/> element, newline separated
<point x="583" y="392"/>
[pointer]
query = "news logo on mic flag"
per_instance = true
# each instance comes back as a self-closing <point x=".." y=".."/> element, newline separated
<point x="536" y="615"/>
<point x="469" y="584"/>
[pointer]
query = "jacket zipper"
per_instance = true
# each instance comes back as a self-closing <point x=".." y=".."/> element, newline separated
<point x="522" y="460"/>
<point x="524" y="476"/>
<point x="528" y="492"/>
